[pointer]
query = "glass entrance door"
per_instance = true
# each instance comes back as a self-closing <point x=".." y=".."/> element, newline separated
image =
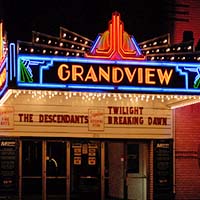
<point x="56" y="170"/>
<point x="85" y="170"/>
<point x="31" y="170"/>
<point x="44" y="170"/>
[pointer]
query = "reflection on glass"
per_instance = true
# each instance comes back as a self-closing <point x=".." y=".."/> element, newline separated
<point x="56" y="159"/>
<point x="56" y="170"/>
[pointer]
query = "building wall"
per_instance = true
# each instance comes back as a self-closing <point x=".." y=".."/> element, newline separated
<point x="187" y="145"/>
<point x="187" y="18"/>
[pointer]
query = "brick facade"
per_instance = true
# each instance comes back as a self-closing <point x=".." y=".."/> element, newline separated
<point x="187" y="145"/>
<point x="187" y="18"/>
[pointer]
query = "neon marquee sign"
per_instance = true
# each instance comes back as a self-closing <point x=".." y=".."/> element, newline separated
<point x="113" y="74"/>
<point x="108" y="75"/>
<point x="114" y="63"/>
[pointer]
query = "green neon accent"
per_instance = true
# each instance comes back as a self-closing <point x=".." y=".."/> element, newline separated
<point x="25" y="75"/>
<point x="196" y="85"/>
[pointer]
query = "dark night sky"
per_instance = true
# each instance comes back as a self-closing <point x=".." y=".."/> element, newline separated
<point x="141" y="18"/>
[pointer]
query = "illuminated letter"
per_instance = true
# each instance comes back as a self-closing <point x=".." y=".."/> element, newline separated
<point x="63" y="68"/>
<point x="75" y="72"/>
<point x="91" y="75"/>
<point x="129" y="75"/>
<point x="165" y="77"/>
<point x="140" y="75"/>
<point x="148" y="75"/>
<point x="104" y="74"/>
<point x="115" y="80"/>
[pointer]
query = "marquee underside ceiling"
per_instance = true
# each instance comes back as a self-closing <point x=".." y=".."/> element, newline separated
<point x="170" y="101"/>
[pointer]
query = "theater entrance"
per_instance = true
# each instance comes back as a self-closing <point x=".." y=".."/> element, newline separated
<point x="77" y="169"/>
<point x="105" y="170"/>
<point x="85" y="169"/>
<point x="125" y="170"/>
<point x="43" y="169"/>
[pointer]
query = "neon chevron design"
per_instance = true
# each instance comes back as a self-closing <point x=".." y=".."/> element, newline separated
<point x="26" y="74"/>
<point x="115" y="43"/>
<point x="197" y="78"/>
<point x="197" y="84"/>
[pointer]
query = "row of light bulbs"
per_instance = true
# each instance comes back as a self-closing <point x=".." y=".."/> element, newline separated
<point x="39" y="94"/>
<point x="51" y="52"/>
<point x="168" y="50"/>
<point x="173" y="58"/>
<point x="153" y="43"/>
<point x="61" y="44"/>
<point x="79" y="54"/>
<point x="67" y="38"/>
